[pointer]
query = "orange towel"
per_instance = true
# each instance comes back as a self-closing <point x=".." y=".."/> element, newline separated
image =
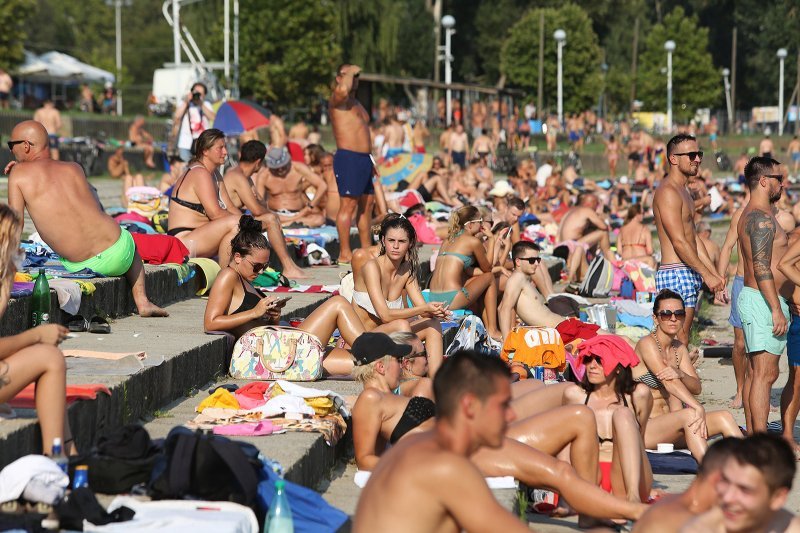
<point x="25" y="398"/>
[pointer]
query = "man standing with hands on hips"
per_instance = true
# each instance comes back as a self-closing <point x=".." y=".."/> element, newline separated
<point x="353" y="164"/>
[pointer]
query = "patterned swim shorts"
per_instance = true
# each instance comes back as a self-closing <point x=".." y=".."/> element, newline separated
<point x="681" y="279"/>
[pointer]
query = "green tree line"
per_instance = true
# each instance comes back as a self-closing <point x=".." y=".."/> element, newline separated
<point x="290" y="50"/>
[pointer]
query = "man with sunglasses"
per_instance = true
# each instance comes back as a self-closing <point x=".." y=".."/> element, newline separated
<point x="763" y="301"/>
<point x="685" y="264"/>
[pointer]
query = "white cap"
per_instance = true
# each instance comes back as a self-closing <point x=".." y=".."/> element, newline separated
<point x="501" y="188"/>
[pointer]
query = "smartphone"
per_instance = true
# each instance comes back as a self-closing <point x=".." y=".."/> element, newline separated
<point x="280" y="300"/>
<point x="508" y="232"/>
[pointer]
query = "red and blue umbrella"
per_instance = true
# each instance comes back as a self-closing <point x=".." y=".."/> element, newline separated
<point x="238" y="116"/>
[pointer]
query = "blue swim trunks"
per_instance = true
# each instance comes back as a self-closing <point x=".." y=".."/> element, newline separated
<point x="757" y="322"/>
<point x="680" y="278"/>
<point x="353" y="171"/>
<point x="394" y="152"/>
<point x="734" y="320"/>
<point x="793" y="341"/>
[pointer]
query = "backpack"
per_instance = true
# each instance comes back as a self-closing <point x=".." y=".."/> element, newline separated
<point x="471" y="335"/>
<point x="206" y="467"/>
<point x="599" y="279"/>
<point x="270" y="352"/>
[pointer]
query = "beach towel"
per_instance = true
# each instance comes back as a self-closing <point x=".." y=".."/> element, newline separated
<point x="672" y="463"/>
<point x="110" y="356"/>
<point x="332" y="289"/>
<point x="25" y="398"/>
<point x="505" y="482"/>
<point x="159" y="249"/>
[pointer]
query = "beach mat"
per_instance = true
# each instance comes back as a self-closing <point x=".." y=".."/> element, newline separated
<point x="672" y="463"/>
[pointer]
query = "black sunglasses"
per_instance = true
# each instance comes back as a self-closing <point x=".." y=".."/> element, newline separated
<point x="589" y="358"/>
<point x="530" y="260"/>
<point x="12" y="144"/>
<point x="778" y="177"/>
<point x="668" y="314"/>
<point x="257" y="267"/>
<point x="693" y="155"/>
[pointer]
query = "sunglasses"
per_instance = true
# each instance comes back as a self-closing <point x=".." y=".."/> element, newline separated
<point x="530" y="260"/>
<point x="478" y="220"/>
<point x="416" y="355"/>
<point x="257" y="267"/>
<point x="778" y="177"/>
<point x="667" y="314"/>
<point x="12" y="144"/>
<point x="693" y="155"/>
<point x="589" y="358"/>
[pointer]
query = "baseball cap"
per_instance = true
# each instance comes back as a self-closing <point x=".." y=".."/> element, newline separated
<point x="371" y="346"/>
<point x="278" y="157"/>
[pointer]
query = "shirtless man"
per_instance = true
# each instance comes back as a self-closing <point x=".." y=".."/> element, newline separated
<point x="483" y="147"/>
<point x="168" y="179"/>
<point x="580" y="230"/>
<point x="352" y="163"/>
<point x="765" y="147"/>
<point x="118" y="167"/>
<point x="49" y="117"/>
<point x="395" y="137"/>
<point x="420" y="135"/>
<point x="431" y="472"/>
<point x="685" y="265"/>
<point x="241" y="189"/>
<point x="763" y="302"/>
<point x="738" y="167"/>
<point x="458" y="146"/>
<point x="793" y="151"/>
<point x="138" y="136"/>
<point x="67" y="215"/>
<point x="283" y="185"/>
<point x="671" y="512"/>
<point x="755" y="481"/>
<point x="444" y="144"/>
<point x="331" y="204"/>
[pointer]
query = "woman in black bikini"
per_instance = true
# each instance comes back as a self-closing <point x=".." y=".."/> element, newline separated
<point x="198" y="208"/>
<point x="381" y="418"/>
<point x="635" y="240"/>
<point x="234" y="305"/>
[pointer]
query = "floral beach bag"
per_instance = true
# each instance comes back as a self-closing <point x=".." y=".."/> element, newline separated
<point x="270" y="352"/>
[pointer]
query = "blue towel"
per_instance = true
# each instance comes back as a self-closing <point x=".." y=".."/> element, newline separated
<point x="672" y="463"/>
<point x="633" y="320"/>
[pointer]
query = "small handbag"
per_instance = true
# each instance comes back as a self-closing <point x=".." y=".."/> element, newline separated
<point x="272" y="352"/>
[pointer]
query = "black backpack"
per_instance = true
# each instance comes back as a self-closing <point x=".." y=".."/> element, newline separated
<point x="599" y="278"/>
<point x="206" y="467"/>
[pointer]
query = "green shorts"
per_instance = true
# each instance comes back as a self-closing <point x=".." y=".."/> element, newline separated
<point x="114" y="261"/>
<point x="757" y="322"/>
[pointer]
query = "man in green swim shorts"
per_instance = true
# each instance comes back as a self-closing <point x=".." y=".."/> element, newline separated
<point x="762" y="302"/>
<point x="68" y="216"/>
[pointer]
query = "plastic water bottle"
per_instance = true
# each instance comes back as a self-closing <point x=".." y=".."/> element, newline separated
<point x="81" y="477"/>
<point x="57" y="455"/>
<point x="279" y="519"/>
<point x="40" y="302"/>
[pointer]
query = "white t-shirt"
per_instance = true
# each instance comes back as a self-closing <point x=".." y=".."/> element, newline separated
<point x="544" y="172"/>
<point x="193" y="124"/>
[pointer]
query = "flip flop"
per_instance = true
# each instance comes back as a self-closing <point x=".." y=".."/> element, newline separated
<point x="78" y="323"/>
<point x="98" y="324"/>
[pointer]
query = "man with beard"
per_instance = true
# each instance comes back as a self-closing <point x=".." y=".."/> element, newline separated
<point x="685" y="265"/>
<point x="763" y="301"/>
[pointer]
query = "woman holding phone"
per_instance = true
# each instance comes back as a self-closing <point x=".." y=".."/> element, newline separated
<point x="235" y="306"/>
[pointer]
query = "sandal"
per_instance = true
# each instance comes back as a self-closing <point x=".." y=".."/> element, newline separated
<point x="99" y="324"/>
<point x="78" y="323"/>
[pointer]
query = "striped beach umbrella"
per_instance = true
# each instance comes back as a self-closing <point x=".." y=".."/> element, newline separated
<point x="238" y="116"/>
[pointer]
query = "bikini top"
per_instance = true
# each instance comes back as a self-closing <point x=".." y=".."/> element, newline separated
<point x="249" y="301"/>
<point x="650" y="380"/>
<point x="418" y="410"/>
<point x="363" y="301"/>
<point x="641" y="238"/>
<point x="198" y="207"/>
<point x="466" y="259"/>
<point x="600" y="439"/>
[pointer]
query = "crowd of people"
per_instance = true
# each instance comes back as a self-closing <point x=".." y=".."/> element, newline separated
<point x="431" y="427"/>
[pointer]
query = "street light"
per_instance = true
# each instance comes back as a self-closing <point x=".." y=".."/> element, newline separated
<point x="782" y="53"/>
<point x="669" y="46"/>
<point x="601" y="105"/>
<point x="118" y="4"/>
<point x="448" y="23"/>
<point x="725" y="73"/>
<point x="561" y="37"/>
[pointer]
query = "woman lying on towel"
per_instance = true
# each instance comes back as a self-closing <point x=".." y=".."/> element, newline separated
<point x="380" y="285"/>
<point x="668" y="372"/>
<point x="463" y="270"/>
<point x="234" y="305"/>
<point x="32" y="356"/>
<point x="381" y="418"/>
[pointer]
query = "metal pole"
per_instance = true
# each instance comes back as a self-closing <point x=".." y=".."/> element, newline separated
<point x="118" y="8"/>
<point x="540" y="86"/>
<point x="780" y="96"/>
<point x="669" y="92"/>
<point x="226" y="36"/>
<point x="176" y="31"/>
<point x="728" y="101"/>
<point x="448" y="73"/>
<point x="733" y="79"/>
<point x="236" y="49"/>
<point x="560" y="84"/>
<point x="634" y="60"/>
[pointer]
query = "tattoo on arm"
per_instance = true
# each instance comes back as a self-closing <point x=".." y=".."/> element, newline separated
<point x="761" y="229"/>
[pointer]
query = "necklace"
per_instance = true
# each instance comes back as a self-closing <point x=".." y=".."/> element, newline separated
<point x="660" y="350"/>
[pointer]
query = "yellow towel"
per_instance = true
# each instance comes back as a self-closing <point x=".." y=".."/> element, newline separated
<point x="221" y="398"/>
<point x="322" y="405"/>
<point x="207" y="270"/>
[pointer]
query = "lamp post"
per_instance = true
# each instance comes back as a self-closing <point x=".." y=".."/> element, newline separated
<point x="669" y="46"/>
<point x="782" y="53"/>
<point x="448" y="23"/>
<point x="118" y="4"/>
<point x="725" y="73"/>
<point x="601" y="106"/>
<point x="561" y="37"/>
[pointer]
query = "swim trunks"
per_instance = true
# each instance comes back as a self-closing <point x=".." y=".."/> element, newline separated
<point x="3" y="96"/>
<point x="573" y="136"/>
<point x="712" y="137"/>
<point x="353" y="172"/>
<point x="113" y="261"/>
<point x="757" y="322"/>
<point x="52" y="141"/>
<point x="736" y="288"/>
<point x="793" y="341"/>
<point x="460" y="159"/>
<point x="393" y="152"/>
<point x="795" y="156"/>
<point x="286" y="212"/>
<point x="681" y="279"/>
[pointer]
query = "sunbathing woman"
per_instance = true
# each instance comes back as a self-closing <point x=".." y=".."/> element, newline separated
<point x="198" y="208"/>
<point x="414" y="380"/>
<point x="667" y="370"/>
<point x="32" y="356"/>
<point x="455" y="282"/>
<point x="635" y="240"/>
<point x="378" y="290"/>
<point x="235" y="306"/>
<point x="381" y="418"/>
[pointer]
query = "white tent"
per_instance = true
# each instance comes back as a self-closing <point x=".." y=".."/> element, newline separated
<point x="59" y="67"/>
